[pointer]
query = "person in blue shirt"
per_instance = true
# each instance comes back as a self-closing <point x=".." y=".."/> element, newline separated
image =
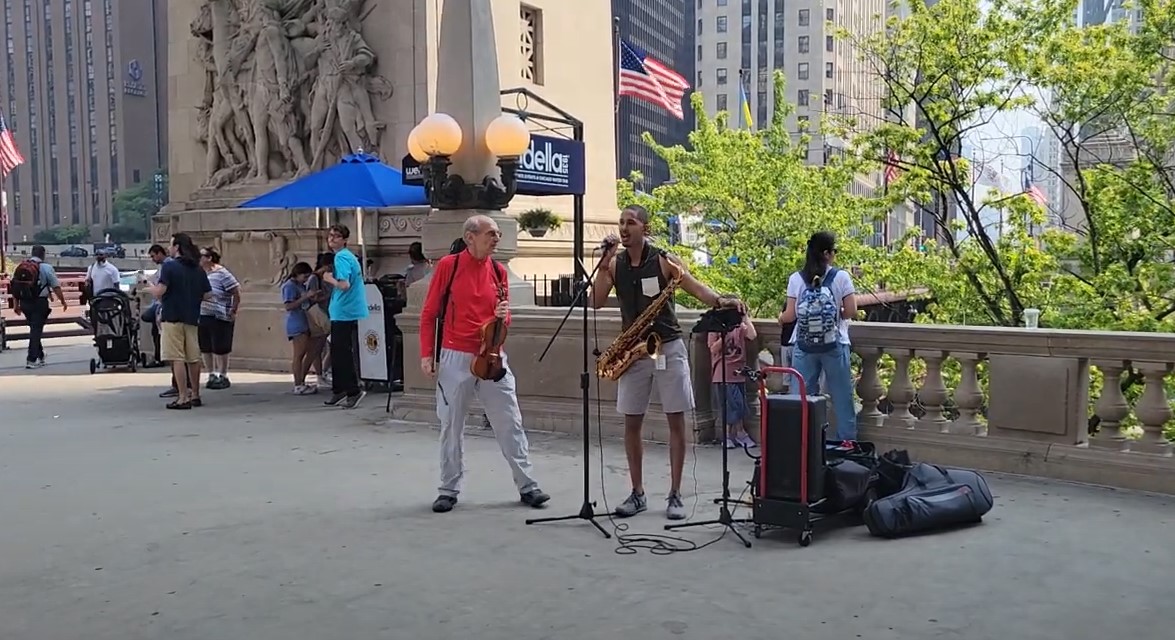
<point x="348" y="305"/>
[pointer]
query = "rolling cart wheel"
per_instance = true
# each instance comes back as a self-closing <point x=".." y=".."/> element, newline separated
<point x="805" y="538"/>
<point x="134" y="365"/>
<point x="93" y="366"/>
<point x="758" y="531"/>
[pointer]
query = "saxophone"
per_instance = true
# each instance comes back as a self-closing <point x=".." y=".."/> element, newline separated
<point x="637" y="341"/>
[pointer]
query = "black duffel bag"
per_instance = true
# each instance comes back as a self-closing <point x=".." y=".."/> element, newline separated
<point x="931" y="498"/>
<point x="849" y="470"/>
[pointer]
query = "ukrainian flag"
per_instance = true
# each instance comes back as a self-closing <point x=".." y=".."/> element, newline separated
<point x="745" y="106"/>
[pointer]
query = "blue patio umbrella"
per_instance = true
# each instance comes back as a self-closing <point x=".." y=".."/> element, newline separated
<point x="359" y="180"/>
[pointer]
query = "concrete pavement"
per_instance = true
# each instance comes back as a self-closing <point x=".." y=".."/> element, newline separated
<point x="264" y="516"/>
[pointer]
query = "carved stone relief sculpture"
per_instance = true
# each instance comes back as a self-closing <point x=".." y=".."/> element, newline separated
<point x="288" y="88"/>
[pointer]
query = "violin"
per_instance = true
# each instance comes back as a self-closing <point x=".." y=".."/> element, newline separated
<point x="487" y="364"/>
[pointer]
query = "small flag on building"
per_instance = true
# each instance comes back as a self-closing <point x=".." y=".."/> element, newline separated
<point x="646" y="78"/>
<point x="892" y="170"/>
<point x="744" y="102"/>
<point x="10" y="157"/>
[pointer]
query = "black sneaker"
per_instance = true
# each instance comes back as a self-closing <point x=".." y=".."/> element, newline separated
<point x="170" y="393"/>
<point x="444" y="504"/>
<point x="535" y="498"/>
<point x="335" y="399"/>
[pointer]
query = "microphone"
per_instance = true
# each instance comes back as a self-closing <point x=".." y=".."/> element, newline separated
<point x="608" y="243"/>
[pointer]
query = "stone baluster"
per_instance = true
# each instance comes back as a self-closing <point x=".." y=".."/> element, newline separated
<point x="775" y="381"/>
<point x="968" y="396"/>
<point x="901" y="391"/>
<point x="753" y="348"/>
<point x="1111" y="408"/>
<point x="708" y="422"/>
<point x="870" y="389"/>
<point x="933" y="394"/>
<point x="1153" y="409"/>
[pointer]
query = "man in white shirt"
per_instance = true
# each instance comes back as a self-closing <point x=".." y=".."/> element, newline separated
<point x="102" y="275"/>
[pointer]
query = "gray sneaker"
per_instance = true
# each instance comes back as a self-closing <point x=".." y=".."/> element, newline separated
<point x="634" y="504"/>
<point x="350" y="402"/>
<point x="675" y="508"/>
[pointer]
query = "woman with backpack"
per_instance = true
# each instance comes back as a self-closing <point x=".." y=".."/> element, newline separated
<point x="820" y="300"/>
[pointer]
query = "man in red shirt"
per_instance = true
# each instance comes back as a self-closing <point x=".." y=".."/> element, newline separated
<point x="463" y="296"/>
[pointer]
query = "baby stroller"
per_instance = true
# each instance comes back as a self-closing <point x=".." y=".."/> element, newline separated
<point x="116" y="331"/>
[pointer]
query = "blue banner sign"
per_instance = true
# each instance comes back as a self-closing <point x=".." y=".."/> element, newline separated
<point x="550" y="167"/>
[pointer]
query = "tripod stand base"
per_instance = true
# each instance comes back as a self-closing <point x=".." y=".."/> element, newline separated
<point x="586" y="512"/>
<point x="724" y="518"/>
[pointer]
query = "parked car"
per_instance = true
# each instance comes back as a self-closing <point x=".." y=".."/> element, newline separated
<point x="74" y="252"/>
<point x="113" y="249"/>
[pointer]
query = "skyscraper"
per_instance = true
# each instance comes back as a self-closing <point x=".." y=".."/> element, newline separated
<point x="663" y="28"/>
<point x="85" y="100"/>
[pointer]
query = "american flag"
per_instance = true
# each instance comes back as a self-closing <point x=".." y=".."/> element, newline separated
<point x="10" y="157"/>
<point x="1031" y="189"/>
<point x="646" y="78"/>
<point x="892" y="170"/>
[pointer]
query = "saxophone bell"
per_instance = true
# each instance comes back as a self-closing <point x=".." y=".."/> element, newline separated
<point x="653" y="345"/>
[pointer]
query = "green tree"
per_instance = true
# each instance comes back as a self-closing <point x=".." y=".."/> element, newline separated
<point x="946" y="72"/>
<point x="68" y="234"/>
<point x="132" y="210"/>
<point x="758" y="200"/>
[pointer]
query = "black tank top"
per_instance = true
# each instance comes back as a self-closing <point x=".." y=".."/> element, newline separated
<point x="631" y="295"/>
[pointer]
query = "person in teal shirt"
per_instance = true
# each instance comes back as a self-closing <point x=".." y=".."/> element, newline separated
<point x="348" y="305"/>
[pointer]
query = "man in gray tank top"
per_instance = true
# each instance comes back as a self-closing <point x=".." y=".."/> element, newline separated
<point x="639" y="273"/>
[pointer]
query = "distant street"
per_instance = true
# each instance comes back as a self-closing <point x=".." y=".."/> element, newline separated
<point x="264" y="516"/>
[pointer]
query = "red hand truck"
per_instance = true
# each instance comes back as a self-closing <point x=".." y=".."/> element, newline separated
<point x="770" y="511"/>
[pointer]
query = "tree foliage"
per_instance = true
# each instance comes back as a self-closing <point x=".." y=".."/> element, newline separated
<point x="950" y="69"/>
<point x="756" y="200"/>
<point x="132" y="210"/>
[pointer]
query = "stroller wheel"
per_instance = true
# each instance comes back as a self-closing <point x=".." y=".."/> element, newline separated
<point x="93" y="366"/>
<point x="134" y="365"/>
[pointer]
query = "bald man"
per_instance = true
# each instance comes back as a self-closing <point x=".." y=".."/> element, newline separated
<point x="469" y="289"/>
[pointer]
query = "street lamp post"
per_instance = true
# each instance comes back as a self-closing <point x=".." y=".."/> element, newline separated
<point x="434" y="141"/>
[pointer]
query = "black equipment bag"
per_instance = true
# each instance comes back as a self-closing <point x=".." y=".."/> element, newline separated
<point x="931" y="498"/>
<point x="848" y="473"/>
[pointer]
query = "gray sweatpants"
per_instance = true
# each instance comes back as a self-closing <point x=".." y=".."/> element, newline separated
<point x="455" y="386"/>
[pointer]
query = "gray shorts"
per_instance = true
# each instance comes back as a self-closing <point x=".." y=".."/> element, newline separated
<point x="674" y="387"/>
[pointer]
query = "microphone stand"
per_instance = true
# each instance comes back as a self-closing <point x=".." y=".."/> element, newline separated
<point x="587" y="509"/>
<point x="725" y="516"/>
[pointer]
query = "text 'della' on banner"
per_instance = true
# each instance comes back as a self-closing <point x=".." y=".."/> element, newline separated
<point x="550" y="167"/>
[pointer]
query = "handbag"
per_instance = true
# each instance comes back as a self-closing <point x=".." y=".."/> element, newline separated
<point x="318" y="320"/>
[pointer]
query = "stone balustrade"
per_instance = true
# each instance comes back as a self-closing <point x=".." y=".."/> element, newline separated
<point x="1001" y="399"/>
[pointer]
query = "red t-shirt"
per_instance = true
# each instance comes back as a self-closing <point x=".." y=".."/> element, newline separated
<point x="472" y="300"/>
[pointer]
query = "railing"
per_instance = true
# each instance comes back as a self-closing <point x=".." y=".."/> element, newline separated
<point x="1029" y="384"/>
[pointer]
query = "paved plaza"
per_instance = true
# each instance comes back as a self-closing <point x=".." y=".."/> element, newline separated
<point x="267" y="517"/>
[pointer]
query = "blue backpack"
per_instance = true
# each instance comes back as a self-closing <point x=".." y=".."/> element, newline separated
<point x="818" y="316"/>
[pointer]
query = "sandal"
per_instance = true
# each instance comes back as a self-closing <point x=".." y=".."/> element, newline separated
<point x="196" y="402"/>
<point x="176" y="404"/>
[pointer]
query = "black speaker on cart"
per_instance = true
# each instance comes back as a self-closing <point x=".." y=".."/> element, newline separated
<point x="783" y="447"/>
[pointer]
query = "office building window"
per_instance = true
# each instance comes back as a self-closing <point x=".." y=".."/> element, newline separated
<point x="721" y="76"/>
<point x="802" y="97"/>
<point x="804" y="44"/>
<point x="805" y="17"/>
<point x="829" y="43"/>
<point x="720" y="51"/>
<point x="720" y="101"/>
<point x="829" y="14"/>
<point x="699" y="52"/>
<point x="699" y="82"/>
<point x="802" y="71"/>
<point x="699" y="26"/>
<point x="829" y="70"/>
<point x="720" y="24"/>
<point x="721" y="3"/>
